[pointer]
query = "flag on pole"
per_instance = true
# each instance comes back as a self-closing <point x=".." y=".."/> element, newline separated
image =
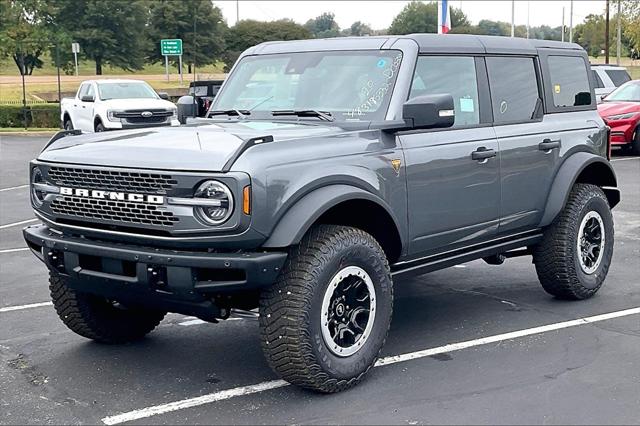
<point x="444" y="17"/>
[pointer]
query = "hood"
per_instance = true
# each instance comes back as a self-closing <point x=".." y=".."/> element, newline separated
<point x="607" y="109"/>
<point x="198" y="147"/>
<point x="148" y="103"/>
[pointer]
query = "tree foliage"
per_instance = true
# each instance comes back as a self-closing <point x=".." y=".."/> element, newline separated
<point x="323" y="26"/>
<point x="631" y="29"/>
<point x="419" y="17"/>
<point x="175" y="19"/>
<point x="248" y="33"/>
<point x="109" y="32"/>
<point x="358" y="29"/>
<point x="25" y="32"/>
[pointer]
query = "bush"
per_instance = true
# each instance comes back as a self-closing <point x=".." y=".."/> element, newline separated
<point x="44" y="115"/>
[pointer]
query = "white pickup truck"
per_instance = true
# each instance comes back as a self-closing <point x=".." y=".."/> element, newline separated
<point x="101" y="105"/>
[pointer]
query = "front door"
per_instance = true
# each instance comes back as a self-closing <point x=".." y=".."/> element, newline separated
<point x="453" y="175"/>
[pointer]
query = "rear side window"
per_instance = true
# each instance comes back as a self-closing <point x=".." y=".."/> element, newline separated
<point x="569" y="81"/>
<point x="514" y="89"/>
<point x="597" y="81"/>
<point x="449" y="75"/>
<point x="619" y="77"/>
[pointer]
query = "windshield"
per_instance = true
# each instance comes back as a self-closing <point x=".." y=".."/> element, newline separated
<point x="629" y="92"/>
<point x="350" y="85"/>
<point x="126" y="91"/>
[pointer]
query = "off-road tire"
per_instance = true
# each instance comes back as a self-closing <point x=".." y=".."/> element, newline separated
<point x="556" y="256"/>
<point x="291" y="309"/>
<point x="96" y="318"/>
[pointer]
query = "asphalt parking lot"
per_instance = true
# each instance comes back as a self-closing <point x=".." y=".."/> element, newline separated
<point x="562" y="363"/>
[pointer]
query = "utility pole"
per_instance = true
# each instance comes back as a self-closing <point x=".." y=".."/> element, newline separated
<point x="563" y="23"/>
<point x="618" y="43"/>
<point x="571" y="22"/>
<point x="237" y="11"/>
<point x="528" y="18"/>
<point x="606" y="34"/>
<point x="513" y="17"/>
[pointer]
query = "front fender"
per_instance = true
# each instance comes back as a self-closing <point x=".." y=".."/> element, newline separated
<point x="567" y="176"/>
<point x="302" y="215"/>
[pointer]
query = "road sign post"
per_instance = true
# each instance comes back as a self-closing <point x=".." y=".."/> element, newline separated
<point x="171" y="47"/>
<point x="75" y="48"/>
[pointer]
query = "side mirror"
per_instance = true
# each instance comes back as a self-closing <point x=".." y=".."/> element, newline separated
<point x="429" y="111"/>
<point x="186" y="108"/>
<point x="163" y="95"/>
<point x="88" y="98"/>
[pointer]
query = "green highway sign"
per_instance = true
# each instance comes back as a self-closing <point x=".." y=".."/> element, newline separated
<point x="172" y="46"/>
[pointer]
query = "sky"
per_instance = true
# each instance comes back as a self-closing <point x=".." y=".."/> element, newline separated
<point x="379" y="14"/>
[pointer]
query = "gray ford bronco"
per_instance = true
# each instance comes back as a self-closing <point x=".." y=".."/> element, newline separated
<point x="325" y="171"/>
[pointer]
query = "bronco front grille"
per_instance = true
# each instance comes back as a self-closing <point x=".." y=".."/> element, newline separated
<point x="116" y="211"/>
<point x="113" y="180"/>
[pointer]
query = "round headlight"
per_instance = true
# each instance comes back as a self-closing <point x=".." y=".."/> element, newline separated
<point x="37" y="195"/>
<point x="217" y="202"/>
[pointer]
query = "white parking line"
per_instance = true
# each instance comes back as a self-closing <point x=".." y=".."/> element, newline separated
<point x="624" y="159"/>
<point x="21" y="307"/>
<point x="9" y="225"/>
<point x="264" y="386"/>
<point x="14" y="187"/>
<point x="13" y="250"/>
<point x="192" y="322"/>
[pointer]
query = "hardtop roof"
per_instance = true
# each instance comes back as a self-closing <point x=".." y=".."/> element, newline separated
<point x="427" y="43"/>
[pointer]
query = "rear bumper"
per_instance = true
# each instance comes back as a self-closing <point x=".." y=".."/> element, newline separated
<point x="176" y="281"/>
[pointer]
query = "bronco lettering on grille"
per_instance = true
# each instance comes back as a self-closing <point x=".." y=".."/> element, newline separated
<point x="112" y="195"/>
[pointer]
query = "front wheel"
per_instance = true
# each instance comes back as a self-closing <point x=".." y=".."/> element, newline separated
<point x="99" y="127"/>
<point x="325" y="320"/>
<point x="68" y="125"/>
<point x="573" y="258"/>
<point x="635" y="144"/>
<point x="100" y="319"/>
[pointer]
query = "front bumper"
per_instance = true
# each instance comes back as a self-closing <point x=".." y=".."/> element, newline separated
<point x="622" y="131"/>
<point x="177" y="281"/>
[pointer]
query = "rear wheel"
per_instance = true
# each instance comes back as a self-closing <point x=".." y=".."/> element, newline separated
<point x="573" y="258"/>
<point x="325" y="320"/>
<point x="100" y="319"/>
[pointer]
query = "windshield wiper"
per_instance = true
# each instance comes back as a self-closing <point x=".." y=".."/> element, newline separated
<point x="241" y="113"/>
<point x="323" y="115"/>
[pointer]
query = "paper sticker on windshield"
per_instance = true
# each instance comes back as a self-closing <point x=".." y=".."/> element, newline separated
<point x="381" y="63"/>
<point x="466" y="105"/>
<point x="556" y="88"/>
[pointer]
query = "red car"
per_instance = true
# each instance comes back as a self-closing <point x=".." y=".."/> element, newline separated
<point x="621" y="111"/>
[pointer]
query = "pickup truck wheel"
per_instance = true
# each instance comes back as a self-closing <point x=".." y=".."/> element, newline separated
<point x="97" y="318"/>
<point x="573" y="258"/>
<point x="68" y="125"/>
<point x="99" y="127"/>
<point x="325" y="320"/>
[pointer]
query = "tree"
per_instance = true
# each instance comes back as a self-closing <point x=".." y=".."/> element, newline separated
<point x="109" y="32"/>
<point x="323" y="26"/>
<point x="631" y="25"/>
<point x="248" y="33"/>
<point x="175" y="19"/>
<point x="25" y="32"/>
<point x="358" y="29"/>
<point x="419" y="17"/>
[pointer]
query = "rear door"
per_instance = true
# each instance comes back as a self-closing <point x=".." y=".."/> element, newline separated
<point x="453" y="198"/>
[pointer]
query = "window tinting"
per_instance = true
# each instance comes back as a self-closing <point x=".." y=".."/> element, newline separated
<point x="619" y="77"/>
<point x="569" y="81"/>
<point x="597" y="81"/>
<point x="449" y="75"/>
<point x="514" y="88"/>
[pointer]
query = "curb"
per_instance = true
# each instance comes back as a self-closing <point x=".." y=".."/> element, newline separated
<point x="47" y="133"/>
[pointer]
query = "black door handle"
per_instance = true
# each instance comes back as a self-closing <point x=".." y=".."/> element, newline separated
<point x="482" y="153"/>
<point x="548" y="144"/>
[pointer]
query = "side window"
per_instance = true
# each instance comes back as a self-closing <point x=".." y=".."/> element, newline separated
<point x="619" y="77"/>
<point x="90" y="91"/>
<point x="569" y="81"/>
<point x="514" y="89"/>
<point x="83" y="90"/>
<point x="597" y="81"/>
<point x="453" y="75"/>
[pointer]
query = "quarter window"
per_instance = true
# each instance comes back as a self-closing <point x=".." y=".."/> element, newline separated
<point x="597" y="81"/>
<point x="449" y="75"/>
<point x="514" y="89"/>
<point x="569" y="81"/>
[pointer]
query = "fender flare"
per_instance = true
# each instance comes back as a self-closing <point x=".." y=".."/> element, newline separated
<point x="292" y="226"/>
<point x="567" y="176"/>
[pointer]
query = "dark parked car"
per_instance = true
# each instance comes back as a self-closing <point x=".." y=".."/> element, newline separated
<point x="328" y="171"/>
<point x="205" y="92"/>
